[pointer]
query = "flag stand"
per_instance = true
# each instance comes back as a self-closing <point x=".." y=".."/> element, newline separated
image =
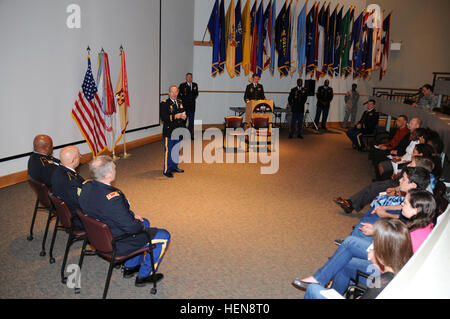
<point x="114" y="156"/>
<point x="125" y="154"/>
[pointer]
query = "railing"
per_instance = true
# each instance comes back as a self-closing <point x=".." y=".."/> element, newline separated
<point x="395" y="94"/>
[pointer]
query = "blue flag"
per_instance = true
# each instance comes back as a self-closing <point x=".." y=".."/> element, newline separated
<point x="281" y="41"/>
<point x="272" y="32"/>
<point x="330" y="44"/>
<point x="337" y="43"/>
<point x="260" y="38"/>
<point x="310" y="40"/>
<point x="301" y="39"/>
<point x="238" y="52"/>
<point x="222" y="38"/>
<point x="213" y="28"/>
<point x="357" y="46"/>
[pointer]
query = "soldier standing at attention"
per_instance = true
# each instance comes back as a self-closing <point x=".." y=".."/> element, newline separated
<point x="297" y="99"/>
<point x="324" y="97"/>
<point x="188" y="93"/>
<point x="173" y="116"/>
<point x="351" y="106"/>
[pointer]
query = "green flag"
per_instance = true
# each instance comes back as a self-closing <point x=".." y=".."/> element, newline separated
<point x="345" y="42"/>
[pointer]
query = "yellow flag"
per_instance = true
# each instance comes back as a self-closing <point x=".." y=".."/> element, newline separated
<point x="121" y="93"/>
<point x="230" y="28"/>
<point x="246" y="36"/>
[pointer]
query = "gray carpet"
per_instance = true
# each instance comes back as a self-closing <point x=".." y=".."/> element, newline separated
<point x="235" y="233"/>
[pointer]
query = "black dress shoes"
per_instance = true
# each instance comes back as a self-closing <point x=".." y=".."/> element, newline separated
<point x="130" y="272"/>
<point x="141" y="282"/>
<point x="169" y="174"/>
<point x="301" y="284"/>
<point x="178" y="170"/>
<point x="345" y="204"/>
<point x="300" y="136"/>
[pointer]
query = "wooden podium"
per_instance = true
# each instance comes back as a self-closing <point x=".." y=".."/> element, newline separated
<point x="258" y="108"/>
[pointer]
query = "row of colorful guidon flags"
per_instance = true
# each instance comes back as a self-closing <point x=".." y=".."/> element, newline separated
<point x="321" y="41"/>
<point x="100" y="112"/>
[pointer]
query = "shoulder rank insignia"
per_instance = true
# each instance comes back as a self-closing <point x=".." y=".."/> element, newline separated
<point x="87" y="180"/>
<point x="112" y="195"/>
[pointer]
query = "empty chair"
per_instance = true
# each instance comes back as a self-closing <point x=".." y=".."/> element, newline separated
<point x="234" y="127"/>
<point x="99" y="236"/>
<point x="261" y="129"/>
<point x="41" y="191"/>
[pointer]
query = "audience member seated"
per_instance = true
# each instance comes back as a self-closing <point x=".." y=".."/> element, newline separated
<point x="395" y="163"/>
<point x="380" y="155"/>
<point x="391" y="251"/>
<point x="391" y="186"/>
<point x="100" y="200"/>
<point x="66" y="182"/>
<point x="401" y="130"/>
<point x="366" y="125"/>
<point x="413" y="178"/>
<point x="426" y="101"/>
<point x="418" y="211"/>
<point x="41" y="163"/>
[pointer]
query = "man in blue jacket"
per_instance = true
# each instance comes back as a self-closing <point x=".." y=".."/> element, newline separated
<point x="99" y="200"/>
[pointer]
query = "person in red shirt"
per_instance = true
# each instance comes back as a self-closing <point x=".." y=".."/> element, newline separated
<point x="402" y="129"/>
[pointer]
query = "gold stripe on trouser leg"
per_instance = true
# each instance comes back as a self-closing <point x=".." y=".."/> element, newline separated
<point x="358" y="137"/>
<point x="163" y="249"/>
<point x="166" y="152"/>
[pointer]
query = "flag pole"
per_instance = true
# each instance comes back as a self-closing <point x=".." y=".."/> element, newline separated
<point x="125" y="154"/>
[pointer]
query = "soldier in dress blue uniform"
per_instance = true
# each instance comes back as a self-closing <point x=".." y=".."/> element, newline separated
<point x="100" y="200"/>
<point x="367" y="125"/>
<point x="173" y="116"/>
<point x="254" y="91"/>
<point x="66" y="182"/>
<point x="324" y="97"/>
<point x="188" y="92"/>
<point x="297" y="99"/>
<point x="41" y="163"/>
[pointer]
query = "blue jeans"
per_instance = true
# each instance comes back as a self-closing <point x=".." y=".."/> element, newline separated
<point x="369" y="218"/>
<point x="351" y="247"/>
<point x="342" y="278"/>
<point x="161" y="240"/>
<point x="313" y="292"/>
<point x="297" y="117"/>
<point x="171" y="154"/>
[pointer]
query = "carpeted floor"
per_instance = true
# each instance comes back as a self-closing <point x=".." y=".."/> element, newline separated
<point x="235" y="233"/>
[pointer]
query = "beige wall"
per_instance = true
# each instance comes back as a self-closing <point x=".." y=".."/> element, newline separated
<point x="423" y="27"/>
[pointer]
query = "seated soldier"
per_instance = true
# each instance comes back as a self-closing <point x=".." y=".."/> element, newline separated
<point x="41" y="163"/>
<point x="366" y="125"/>
<point x="66" y="182"/>
<point x="99" y="200"/>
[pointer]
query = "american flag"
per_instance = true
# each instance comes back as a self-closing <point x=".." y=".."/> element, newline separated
<point x="87" y="114"/>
